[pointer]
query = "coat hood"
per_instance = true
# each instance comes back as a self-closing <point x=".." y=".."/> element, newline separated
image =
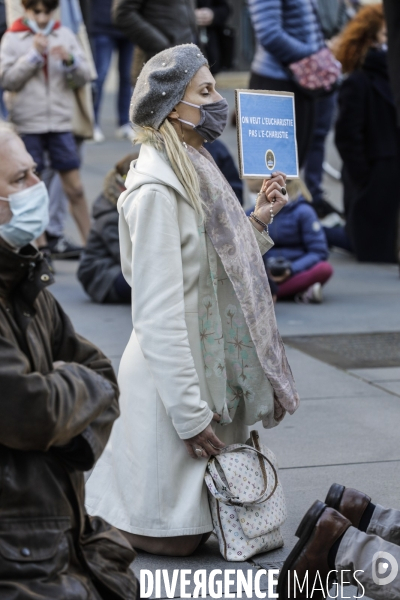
<point x="152" y="167"/>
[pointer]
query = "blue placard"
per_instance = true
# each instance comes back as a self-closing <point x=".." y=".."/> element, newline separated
<point x="266" y="127"/>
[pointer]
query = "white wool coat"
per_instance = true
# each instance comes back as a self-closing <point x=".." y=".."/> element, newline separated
<point x="145" y="482"/>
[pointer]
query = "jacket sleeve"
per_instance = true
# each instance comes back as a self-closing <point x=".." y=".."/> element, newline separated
<point x="126" y="16"/>
<point x="267" y="19"/>
<point x="263" y="240"/>
<point x="350" y="128"/>
<point x="313" y="236"/>
<point x="158" y="310"/>
<point x="79" y="72"/>
<point x="77" y="400"/>
<point x="16" y="70"/>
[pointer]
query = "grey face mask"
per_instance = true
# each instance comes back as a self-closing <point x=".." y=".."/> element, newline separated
<point x="213" y="119"/>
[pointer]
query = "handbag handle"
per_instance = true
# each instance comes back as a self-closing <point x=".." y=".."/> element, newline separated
<point x="229" y="498"/>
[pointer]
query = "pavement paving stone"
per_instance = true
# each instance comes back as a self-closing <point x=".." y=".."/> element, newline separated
<point x="337" y="431"/>
<point x="315" y="379"/>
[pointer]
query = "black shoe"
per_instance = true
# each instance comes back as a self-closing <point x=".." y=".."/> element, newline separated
<point x="61" y="248"/>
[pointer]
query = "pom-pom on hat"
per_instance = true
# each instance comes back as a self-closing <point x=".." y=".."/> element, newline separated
<point x="162" y="83"/>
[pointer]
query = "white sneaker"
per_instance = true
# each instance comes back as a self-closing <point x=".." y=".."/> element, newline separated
<point x="313" y="295"/>
<point x="98" y="135"/>
<point x="125" y="132"/>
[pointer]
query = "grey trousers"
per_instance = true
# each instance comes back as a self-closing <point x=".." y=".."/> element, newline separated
<point x="372" y="559"/>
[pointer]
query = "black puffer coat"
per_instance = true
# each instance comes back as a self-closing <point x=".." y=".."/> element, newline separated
<point x="100" y="263"/>
<point x="55" y="422"/>
<point x="369" y="145"/>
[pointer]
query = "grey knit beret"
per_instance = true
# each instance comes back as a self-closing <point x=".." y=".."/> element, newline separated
<point x="162" y="83"/>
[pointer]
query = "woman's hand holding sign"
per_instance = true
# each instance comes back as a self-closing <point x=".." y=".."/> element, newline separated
<point x="271" y="199"/>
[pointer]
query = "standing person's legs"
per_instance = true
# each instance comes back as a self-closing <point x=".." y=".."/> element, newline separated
<point x="65" y="159"/>
<point x="125" y="53"/>
<point x="73" y="188"/>
<point x="324" y="109"/>
<point x="103" y="48"/>
<point x="58" y="208"/>
<point x="304" y="106"/>
<point x="319" y="273"/>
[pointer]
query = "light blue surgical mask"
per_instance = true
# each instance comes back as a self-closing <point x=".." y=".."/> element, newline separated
<point x="30" y="209"/>
<point x="34" y="27"/>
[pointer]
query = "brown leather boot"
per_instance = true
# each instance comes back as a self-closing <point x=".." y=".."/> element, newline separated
<point x="350" y="503"/>
<point x="306" y="572"/>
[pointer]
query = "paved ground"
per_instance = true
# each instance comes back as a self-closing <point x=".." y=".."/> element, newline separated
<point x="346" y="429"/>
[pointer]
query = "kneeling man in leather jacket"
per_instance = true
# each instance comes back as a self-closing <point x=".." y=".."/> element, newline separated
<point x="58" y="401"/>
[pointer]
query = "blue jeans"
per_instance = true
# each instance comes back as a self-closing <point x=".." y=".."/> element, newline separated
<point x="324" y="111"/>
<point x="104" y="46"/>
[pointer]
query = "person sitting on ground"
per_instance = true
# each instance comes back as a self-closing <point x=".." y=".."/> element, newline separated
<point x="41" y="63"/>
<point x="300" y="248"/>
<point x="100" y="270"/>
<point x="349" y="538"/>
<point x="368" y="142"/>
<point x="59" y="399"/>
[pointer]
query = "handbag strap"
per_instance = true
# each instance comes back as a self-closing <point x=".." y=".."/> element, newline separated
<point x="229" y="497"/>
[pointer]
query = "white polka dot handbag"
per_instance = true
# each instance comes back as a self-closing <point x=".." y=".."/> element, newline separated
<point x="246" y="499"/>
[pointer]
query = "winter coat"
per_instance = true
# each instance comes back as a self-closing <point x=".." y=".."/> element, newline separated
<point x="369" y="145"/>
<point x="39" y="96"/>
<point x="100" y="263"/>
<point x="221" y="10"/>
<point x="165" y="397"/>
<point x="286" y="31"/>
<point x="54" y="425"/>
<point x="155" y="25"/>
<point x="298" y="236"/>
<point x="100" y="19"/>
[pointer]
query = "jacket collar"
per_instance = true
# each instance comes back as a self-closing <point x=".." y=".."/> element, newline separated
<point x="26" y="270"/>
<point x="153" y="167"/>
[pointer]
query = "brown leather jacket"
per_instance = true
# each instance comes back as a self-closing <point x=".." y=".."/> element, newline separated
<point x="54" y="424"/>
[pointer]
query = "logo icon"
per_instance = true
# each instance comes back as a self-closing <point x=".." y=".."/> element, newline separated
<point x="270" y="159"/>
<point x="380" y="566"/>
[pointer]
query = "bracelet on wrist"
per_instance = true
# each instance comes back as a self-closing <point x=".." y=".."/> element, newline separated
<point x="257" y="220"/>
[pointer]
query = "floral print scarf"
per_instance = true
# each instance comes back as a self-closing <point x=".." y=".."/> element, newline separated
<point x="244" y="357"/>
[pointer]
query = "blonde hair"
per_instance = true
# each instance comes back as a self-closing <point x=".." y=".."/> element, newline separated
<point x="166" y="140"/>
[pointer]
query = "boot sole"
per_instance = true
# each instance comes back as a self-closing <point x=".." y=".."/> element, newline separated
<point x="303" y="532"/>
<point x="334" y="495"/>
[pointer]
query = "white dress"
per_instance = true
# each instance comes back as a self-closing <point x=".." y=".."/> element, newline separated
<point x="145" y="482"/>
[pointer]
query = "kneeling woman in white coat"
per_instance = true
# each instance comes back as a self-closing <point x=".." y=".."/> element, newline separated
<point x="205" y="359"/>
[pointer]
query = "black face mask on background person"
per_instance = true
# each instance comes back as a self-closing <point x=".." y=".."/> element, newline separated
<point x="213" y="119"/>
